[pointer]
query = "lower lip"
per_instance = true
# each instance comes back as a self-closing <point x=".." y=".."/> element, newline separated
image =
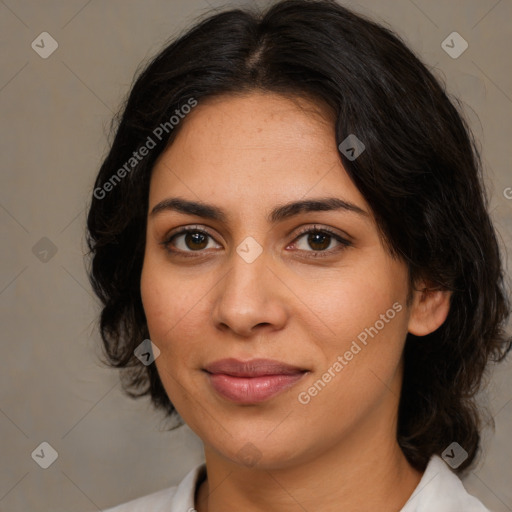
<point x="251" y="390"/>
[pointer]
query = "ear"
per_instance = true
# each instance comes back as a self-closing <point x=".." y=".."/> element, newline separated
<point x="429" y="309"/>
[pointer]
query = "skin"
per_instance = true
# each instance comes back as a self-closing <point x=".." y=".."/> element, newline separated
<point x="248" y="154"/>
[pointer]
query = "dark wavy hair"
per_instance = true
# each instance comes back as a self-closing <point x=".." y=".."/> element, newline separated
<point x="420" y="174"/>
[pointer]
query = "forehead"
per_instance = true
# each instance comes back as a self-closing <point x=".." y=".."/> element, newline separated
<point x="254" y="147"/>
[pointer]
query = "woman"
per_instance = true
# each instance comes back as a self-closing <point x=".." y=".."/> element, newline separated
<point x="292" y="212"/>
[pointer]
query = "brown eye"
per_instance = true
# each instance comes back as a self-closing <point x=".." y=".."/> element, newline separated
<point x="196" y="241"/>
<point x="316" y="241"/>
<point x="319" y="241"/>
<point x="190" y="240"/>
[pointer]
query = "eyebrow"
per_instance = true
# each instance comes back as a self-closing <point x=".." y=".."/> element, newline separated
<point x="278" y="214"/>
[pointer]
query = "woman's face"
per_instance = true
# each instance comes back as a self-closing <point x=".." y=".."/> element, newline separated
<point x="282" y="262"/>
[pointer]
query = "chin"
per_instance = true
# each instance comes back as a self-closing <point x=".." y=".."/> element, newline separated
<point x="258" y="451"/>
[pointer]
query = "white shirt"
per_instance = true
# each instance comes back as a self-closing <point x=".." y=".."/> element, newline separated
<point x="439" y="490"/>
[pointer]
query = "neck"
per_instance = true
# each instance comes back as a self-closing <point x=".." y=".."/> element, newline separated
<point x="365" y="472"/>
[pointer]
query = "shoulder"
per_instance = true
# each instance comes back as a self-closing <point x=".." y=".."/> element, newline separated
<point x="172" y="499"/>
<point x="156" y="502"/>
<point x="441" y="490"/>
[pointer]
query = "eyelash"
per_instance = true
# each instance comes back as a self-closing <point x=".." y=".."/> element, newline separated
<point x="344" y="243"/>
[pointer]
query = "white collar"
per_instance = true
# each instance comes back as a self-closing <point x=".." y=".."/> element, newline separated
<point x="441" y="490"/>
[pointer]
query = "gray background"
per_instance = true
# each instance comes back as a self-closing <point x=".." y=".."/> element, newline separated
<point x="55" y="114"/>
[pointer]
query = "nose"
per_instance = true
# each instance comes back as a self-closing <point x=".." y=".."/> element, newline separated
<point x="250" y="299"/>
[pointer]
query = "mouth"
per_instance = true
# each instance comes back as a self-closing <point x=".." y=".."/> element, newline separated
<point x="253" y="381"/>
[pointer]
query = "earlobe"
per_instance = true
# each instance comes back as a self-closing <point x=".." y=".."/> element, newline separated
<point x="429" y="310"/>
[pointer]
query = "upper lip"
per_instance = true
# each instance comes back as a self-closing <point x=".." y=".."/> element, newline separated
<point x="251" y="368"/>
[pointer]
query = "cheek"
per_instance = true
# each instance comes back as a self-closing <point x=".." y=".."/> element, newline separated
<point x="348" y="303"/>
<point x="366" y="316"/>
<point x="176" y="309"/>
<point x="166" y="308"/>
<point x="156" y="300"/>
<point x="166" y="300"/>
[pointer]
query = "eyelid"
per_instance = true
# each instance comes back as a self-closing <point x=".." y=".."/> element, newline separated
<point x="338" y="234"/>
<point x="186" y="229"/>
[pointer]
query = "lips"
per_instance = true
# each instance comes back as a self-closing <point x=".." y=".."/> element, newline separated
<point x="254" y="381"/>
